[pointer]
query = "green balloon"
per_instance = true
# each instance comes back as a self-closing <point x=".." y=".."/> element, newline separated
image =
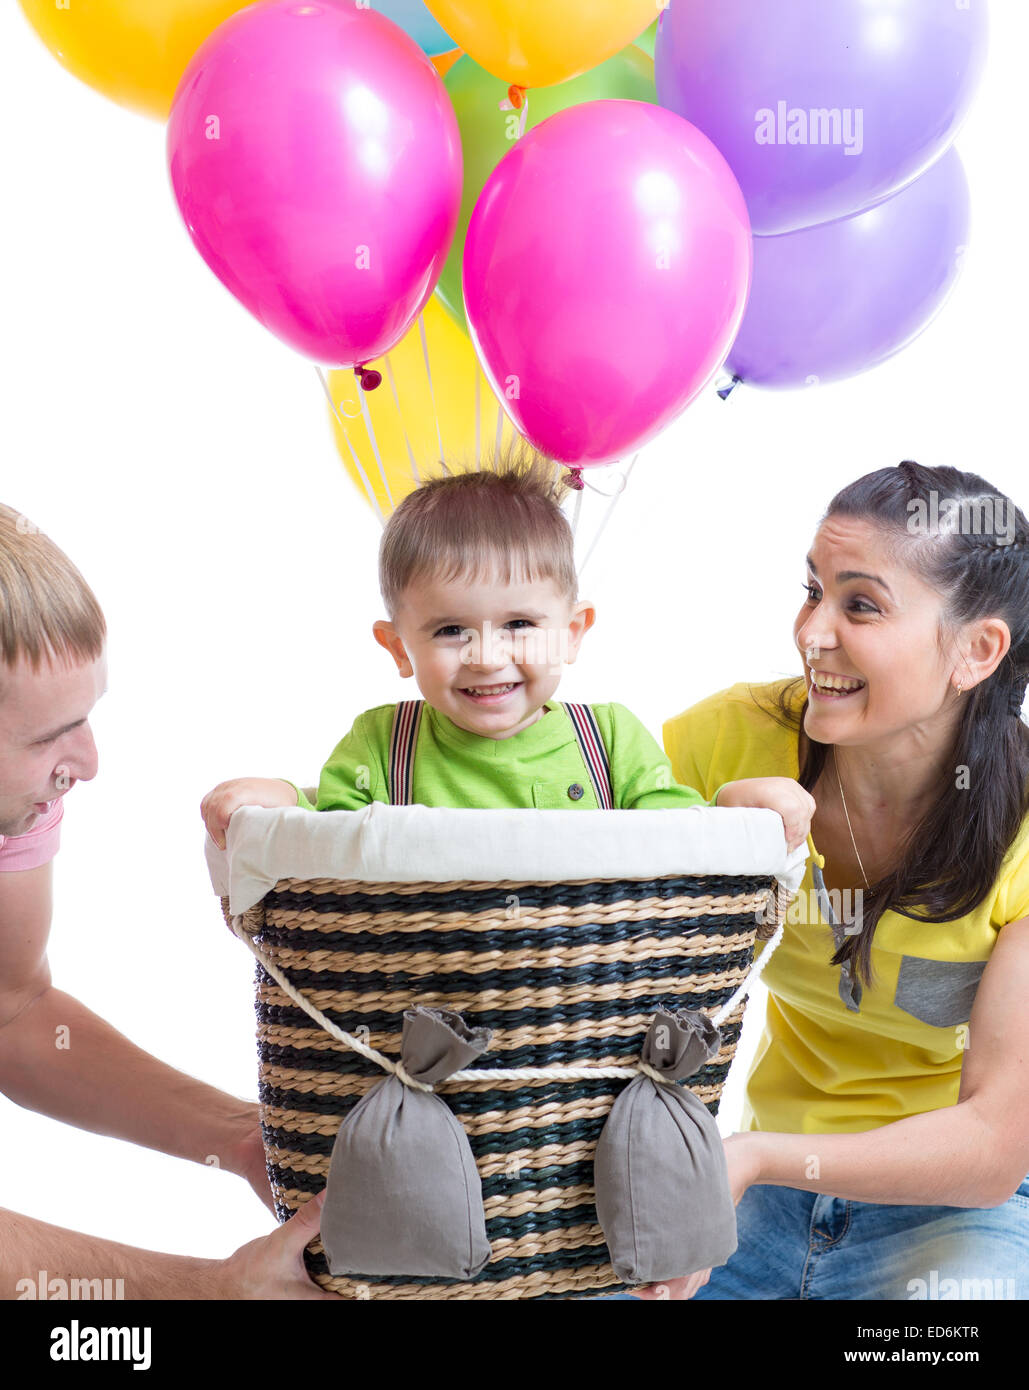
<point x="648" y="38"/>
<point x="487" y="133"/>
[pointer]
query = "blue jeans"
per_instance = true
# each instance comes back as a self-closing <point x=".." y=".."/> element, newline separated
<point x="795" y="1244"/>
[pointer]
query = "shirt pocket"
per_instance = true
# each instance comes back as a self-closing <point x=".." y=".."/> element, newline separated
<point x="574" y="794"/>
<point x="938" y="992"/>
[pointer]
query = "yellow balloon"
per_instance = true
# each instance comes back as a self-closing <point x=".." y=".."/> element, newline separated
<point x="133" y="51"/>
<point x="452" y="396"/>
<point x="535" y="43"/>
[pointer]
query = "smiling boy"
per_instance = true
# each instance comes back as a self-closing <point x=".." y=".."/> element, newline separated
<point x="478" y="577"/>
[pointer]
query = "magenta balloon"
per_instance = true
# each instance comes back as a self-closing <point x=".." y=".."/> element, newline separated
<point x="822" y="107"/>
<point x="316" y="161"/>
<point x="830" y="301"/>
<point x="605" y="275"/>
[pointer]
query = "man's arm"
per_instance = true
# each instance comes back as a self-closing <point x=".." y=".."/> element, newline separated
<point x="58" y="1058"/>
<point x="269" y="1268"/>
<point x="28" y="1247"/>
<point x="102" y="1082"/>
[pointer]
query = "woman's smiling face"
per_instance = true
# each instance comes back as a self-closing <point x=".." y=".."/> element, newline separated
<point x="870" y="621"/>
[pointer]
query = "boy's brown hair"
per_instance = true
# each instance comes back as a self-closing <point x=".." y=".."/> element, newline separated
<point x="47" y="610"/>
<point x="503" y="520"/>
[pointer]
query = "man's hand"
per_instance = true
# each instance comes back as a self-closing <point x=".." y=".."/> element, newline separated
<point x="218" y="805"/>
<point x="273" y="1266"/>
<point x="782" y="794"/>
<point x="248" y="1161"/>
<point x="269" y="1268"/>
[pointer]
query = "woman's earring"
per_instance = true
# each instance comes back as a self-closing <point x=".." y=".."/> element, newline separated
<point x="960" y="687"/>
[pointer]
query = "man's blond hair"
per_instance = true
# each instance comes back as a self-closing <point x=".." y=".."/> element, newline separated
<point x="48" y="612"/>
<point x="502" y="521"/>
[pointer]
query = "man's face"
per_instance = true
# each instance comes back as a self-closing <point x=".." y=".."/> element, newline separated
<point x="46" y="744"/>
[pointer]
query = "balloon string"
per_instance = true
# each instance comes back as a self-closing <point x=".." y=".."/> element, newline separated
<point x="575" y="512"/>
<point x="500" y="427"/>
<point x="400" y="417"/>
<point x="432" y="393"/>
<point x="603" y="492"/>
<point x="607" y="515"/>
<point x="372" y="497"/>
<point x="375" y="444"/>
<point x="478" y="419"/>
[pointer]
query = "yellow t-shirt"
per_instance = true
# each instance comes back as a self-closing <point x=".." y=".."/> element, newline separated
<point x="819" y="1067"/>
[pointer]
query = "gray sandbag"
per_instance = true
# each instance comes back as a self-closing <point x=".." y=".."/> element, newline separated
<point x="662" y="1185"/>
<point x="404" y="1194"/>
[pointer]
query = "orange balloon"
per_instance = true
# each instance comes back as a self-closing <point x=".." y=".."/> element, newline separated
<point x="538" y="43"/>
<point x="443" y="62"/>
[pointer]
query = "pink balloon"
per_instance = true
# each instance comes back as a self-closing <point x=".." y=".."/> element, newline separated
<point x="316" y="161"/>
<point x="606" y="272"/>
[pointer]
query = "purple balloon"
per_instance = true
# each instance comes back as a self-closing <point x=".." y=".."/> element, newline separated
<point x="822" y="107"/>
<point x="830" y="301"/>
<point x="316" y="161"/>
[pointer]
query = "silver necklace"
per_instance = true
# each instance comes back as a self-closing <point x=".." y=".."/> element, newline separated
<point x="849" y="986"/>
<point x="839" y="783"/>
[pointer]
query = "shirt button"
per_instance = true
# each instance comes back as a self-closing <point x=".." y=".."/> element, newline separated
<point x="575" y="791"/>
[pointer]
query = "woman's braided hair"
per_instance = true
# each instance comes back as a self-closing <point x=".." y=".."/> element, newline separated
<point x="951" y="860"/>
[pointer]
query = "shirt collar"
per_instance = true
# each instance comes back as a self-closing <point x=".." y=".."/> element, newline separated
<point x="551" y="731"/>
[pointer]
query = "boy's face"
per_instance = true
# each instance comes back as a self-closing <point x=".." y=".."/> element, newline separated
<point x="486" y="654"/>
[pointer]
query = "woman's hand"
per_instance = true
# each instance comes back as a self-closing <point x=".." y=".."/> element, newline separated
<point x="674" y="1289"/>
<point x="782" y="794"/>
<point x="218" y="805"/>
<point x="742" y="1159"/>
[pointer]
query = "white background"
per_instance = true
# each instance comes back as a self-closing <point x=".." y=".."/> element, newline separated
<point x="182" y="457"/>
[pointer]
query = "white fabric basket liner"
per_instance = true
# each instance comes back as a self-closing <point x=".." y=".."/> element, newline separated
<point x="423" y="844"/>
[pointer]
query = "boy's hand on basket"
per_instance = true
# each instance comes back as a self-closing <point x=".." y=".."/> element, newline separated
<point x="273" y="1267"/>
<point x="782" y="794"/>
<point x="218" y="805"/>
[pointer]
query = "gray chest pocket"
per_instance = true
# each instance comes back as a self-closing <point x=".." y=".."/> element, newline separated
<point x="938" y="992"/>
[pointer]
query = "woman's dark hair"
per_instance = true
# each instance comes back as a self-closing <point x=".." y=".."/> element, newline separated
<point x="951" y="859"/>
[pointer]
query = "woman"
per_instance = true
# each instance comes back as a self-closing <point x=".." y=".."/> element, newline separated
<point x="885" y="1139"/>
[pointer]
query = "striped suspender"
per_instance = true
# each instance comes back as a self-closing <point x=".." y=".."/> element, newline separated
<point x="404" y="738"/>
<point x="594" y="754"/>
<point x="406" y="718"/>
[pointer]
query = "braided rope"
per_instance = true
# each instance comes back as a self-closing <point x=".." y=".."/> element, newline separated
<point x="355" y="1044"/>
<point x="491" y="1073"/>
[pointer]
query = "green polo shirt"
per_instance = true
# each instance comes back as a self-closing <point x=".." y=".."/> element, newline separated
<point x="540" y="767"/>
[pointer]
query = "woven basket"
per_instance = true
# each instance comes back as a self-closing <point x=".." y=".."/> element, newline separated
<point x="562" y="972"/>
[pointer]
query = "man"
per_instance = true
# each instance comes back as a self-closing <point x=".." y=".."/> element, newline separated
<point x="52" y="672"/>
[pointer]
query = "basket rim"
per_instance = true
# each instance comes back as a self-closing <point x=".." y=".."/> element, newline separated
<point x="413" y="844"/>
